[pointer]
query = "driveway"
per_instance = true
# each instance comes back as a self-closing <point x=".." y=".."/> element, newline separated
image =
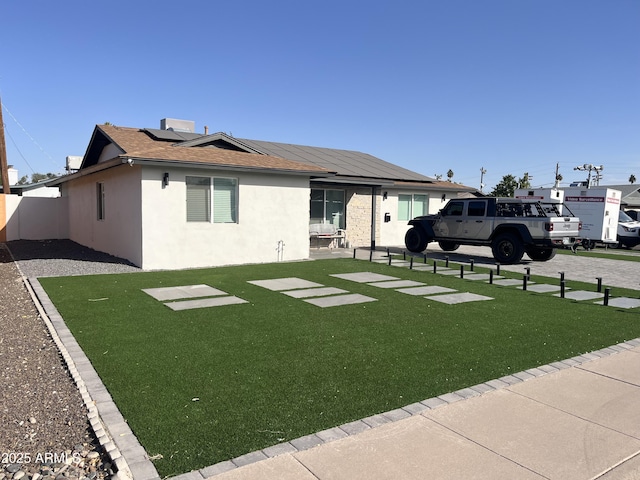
<point x="580" y="266"/>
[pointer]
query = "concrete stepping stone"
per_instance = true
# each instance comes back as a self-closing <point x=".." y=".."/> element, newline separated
<point x="509" y="282"/>
<point x="544" y="288"/>
<point x="205" y="302"/>
<point x="454" y="298"/>
<point x="288" y="283"/>
<point x="447" y="271"/>
<point x="396" y="284"/>
<point x="422" y="267"/>
<point x="622" y="302"/>
<point x="581" y="295"/>
<point x="400" y="263"/>
<point x="339" y="300"/>
<point x="426" y="290"/>
<point x="480" y="276"/>
<point x="315" y="292"/>
<point x="186" y="291"/>
<point x="364" y="277"/>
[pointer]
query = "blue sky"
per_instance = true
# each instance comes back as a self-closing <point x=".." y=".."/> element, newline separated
<point x="511" y="86"/>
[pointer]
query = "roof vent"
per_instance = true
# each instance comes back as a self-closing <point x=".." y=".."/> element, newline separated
<point x="73" y="163"/>
<point x="175" y="125"/>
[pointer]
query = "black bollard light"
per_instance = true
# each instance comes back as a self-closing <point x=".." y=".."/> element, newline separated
<point x="424" y="258"/>
<point x="497" y="269"/>
<point x="528" y="269"/>
<point x="471" y="267"/>
<point x="354" y="253"/>
<point x="461" y="271"/>
<point x="435" y="265"/>
<point x="561" y="276"/>
<point x="524" y="283"/>
<point x="446" y="261"/>
<point x="607" y="291"/>
<point x="490" y="277"/>
<point x="562" y="287"/>
<point x="411" y="263"/>
<point x="599" y="284"/>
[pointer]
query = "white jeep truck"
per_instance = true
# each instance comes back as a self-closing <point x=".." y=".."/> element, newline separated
<point x="511" y="227"/>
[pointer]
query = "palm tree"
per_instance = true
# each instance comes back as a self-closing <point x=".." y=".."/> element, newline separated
<point x="450" y="174"/>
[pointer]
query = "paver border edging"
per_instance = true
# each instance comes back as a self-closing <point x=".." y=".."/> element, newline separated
<point x="108" y="424"/>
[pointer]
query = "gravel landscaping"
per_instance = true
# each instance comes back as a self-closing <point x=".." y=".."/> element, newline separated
<point x="45" y="432"/>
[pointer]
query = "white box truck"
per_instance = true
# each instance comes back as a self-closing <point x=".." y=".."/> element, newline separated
<point x="596" y="207"/>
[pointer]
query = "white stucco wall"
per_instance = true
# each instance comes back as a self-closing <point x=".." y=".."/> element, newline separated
<point x="46" y="192"/>
<point x="34" y="218"/>
<point x="392" y="233"/>
<point x="119" y="233"/>
<point x="270" y="208"/>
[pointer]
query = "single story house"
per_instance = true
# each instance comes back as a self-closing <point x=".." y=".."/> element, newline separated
<point x="170" y="198"/>
<point x="630" y="199"/>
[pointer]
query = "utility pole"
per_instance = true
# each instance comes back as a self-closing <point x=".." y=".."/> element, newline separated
<point x="589" y="167"/>
<point x="4" y="168"/>
<point x="482" y="172"/>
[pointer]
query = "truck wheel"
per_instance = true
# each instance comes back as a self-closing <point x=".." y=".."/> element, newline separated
<point x="415" y="240"/>
<point x="448" y="246"/>
<point x="507" y="248"/>
<point x="539" y="254"/>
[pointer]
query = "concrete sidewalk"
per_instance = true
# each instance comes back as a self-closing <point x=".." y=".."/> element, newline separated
<point x="578" y="422"/>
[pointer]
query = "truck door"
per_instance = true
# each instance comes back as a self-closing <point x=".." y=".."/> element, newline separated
<point x="451" y="221"/>
<point x="476" y="224"/>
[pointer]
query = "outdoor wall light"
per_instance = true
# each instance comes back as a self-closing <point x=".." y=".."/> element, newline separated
<point x="444" y="197"/>
<point x="165" y="179"/>
<point x="384" y="195"/>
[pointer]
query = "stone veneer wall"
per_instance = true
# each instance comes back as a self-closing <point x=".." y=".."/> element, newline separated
<point x="358" y="212"/>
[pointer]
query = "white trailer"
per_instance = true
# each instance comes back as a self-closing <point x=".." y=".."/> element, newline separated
<point x="596" y="207"/>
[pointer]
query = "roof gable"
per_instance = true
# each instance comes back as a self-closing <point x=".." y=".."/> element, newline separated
<point x="148" y="145"/>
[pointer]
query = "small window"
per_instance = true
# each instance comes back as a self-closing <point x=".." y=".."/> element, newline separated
<point x="100" y="200"/>
<point x="206" y="195"/>
<point x="477" y="209"/>
<point x="411" y="206"/>
<point x="198" y="199"/>
<point x="327" y="206"/>
<point x="224" y="200"/>
<point x="404" y="207"/>
<point x="455" y="209"/>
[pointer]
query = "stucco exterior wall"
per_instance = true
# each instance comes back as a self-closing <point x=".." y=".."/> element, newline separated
<point x="392" y="233"/>
<point x="119" y="233"/>
<point x="34" y="218"/>
<point x="271" y="208"/>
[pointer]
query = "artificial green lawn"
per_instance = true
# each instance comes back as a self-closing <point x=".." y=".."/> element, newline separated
<point x="279" y="368"/>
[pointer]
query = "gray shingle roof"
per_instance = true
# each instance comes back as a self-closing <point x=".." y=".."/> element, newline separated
<point x="343" y="162"/>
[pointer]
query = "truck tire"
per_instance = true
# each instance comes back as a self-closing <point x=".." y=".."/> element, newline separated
<point x="541" y="254"/>
<point x="448" y="246"/>
<point x="507" y="248"/>
<point x="415" y="240"/>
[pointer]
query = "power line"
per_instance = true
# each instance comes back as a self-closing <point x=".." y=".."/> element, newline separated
<point x="28" y="135"/>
